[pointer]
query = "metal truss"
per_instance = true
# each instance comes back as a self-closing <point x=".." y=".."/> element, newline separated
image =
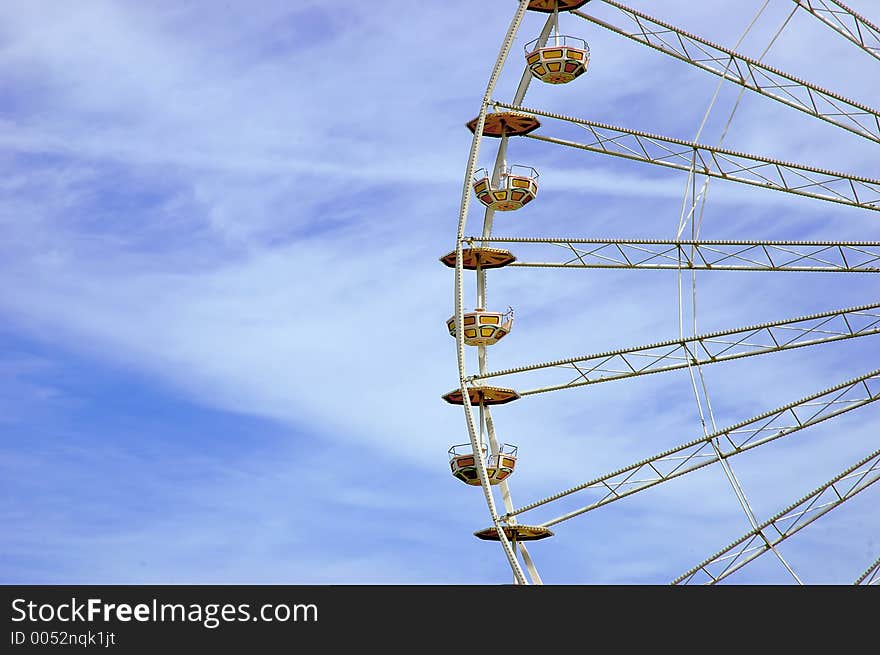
<point x="709" y="348"/>
<point x="845" y="21"/>
<point x="804" y="256"/>
<point x="786" y="523"/>
<point x="871" y="576"/>
<point x="700" y="255"/>
<point x="739" y="438"/>
<point x="749" y="73"/>
<point x="716" y="162"/>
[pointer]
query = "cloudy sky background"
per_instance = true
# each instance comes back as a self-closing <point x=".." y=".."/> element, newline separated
<point x="222" y="339"/>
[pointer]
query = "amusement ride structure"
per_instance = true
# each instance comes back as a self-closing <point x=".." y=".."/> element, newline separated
<point x="487" y="462"/>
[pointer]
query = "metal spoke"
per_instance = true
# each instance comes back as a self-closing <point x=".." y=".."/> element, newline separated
<point x="789" y="521"/>
<point x="749" y="73"/>
<point x="802" y="256"/>
<point x="731" y="441"/>
<point x="871" y="576"/>
<point x="715" y="162"/>
<point x="706" y="349"/>
<point x="847" y="22"/>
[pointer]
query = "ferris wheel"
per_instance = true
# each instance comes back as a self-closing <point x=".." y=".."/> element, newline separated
<point x="558" y="55"/>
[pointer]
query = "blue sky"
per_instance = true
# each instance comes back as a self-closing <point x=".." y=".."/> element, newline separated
<point x="222" y="339"/>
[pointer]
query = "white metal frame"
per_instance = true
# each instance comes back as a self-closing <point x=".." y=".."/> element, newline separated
<point x="719" y="445"/>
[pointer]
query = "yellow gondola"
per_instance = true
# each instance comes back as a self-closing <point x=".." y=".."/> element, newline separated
<point x="517" y="186"/>
<point x="564" y="59"/>
<point x="549" y="6"/>
<point x="482" y="328"/>
<point x="498" y="466"/>
<point x="485" y="395"/>
<point x="515" y="532"/>
<point x="480" y="257"/>
<point x="505" y="123"/>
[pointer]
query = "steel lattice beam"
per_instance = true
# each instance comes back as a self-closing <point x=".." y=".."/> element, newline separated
<point x="871" y="576"/>
<point x="716" y="162"/>
<point x="731" y="441"/>
<point x="749" y="73"/>
<point x="803" y="256"/>
<point x="707" y="348"/>
<point x="789" y="521"/>
<point x="845" y="21"/>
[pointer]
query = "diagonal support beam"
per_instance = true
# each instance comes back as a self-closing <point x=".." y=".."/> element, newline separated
<point x="721" y="163"/>
<point x="802" y="256"/>
<point x="749" y="73"/>
<point x="783" y="525"/>
<point x="845" y="21"/>
<point x="871" y="576"/>
<point x="708" y="348"/>
<point x="731" y="441"/>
